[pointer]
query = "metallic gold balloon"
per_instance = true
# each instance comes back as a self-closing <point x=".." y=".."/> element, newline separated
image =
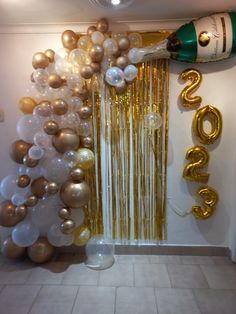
<point x="69" y="39"/>
<point x="195" y="78"/>
<point x="86" y="71"/>
<point x="41" y="251"/>
<point x="77" y="174"/>
<point x="121" y="88"/>
<point x="8" y="216"/>
<point x="199" y="158"/>
<point x="23" y="181"/>
<point x="85" y="158"/>
<point x="214" y="115"/>
<point x="21" y="211"/>
<point x="82" y="235"/>
<point x="30" y="162"/>
<point x="210" y="198"/>
<point x="11" y="250"/>
<point x="51" y="188"/>
<point x="18" y="150"/>
<point x="96" y="66"/>
<point x="86" y="142"/>
<point x="85" y="112"/>
<point x="123" y="43"/>
<point x="38" y="187"/>
<point x="96" y="53"/>
<point x="67" y="226"/>
<point x="75" y="194"/>
<point x="51" y="127"/>
<point x="50" y="54"/>
<point x="31" y="201"/>
<point x="91" y="29"/>
<point x="64" y="213"/>
<point x="40" y="61"/>
<point x="59" y="107"/>
<point x="27" y="105"/>
<point x="116" y="53"/>
<point x="55" y="81"/>
<point x="66" y="139"/>
<point x="82" y="93"/>
<point x="102" y="25"/>
<point x="122" y="62"/>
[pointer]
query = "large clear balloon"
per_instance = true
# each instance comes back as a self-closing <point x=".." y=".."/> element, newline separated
<point x="42" y="139"/>
<point x="56" y="169"/>
<point x="85" y="127"/>
<point x="25" y="234"/>
<point x="110" y="46"/>
<point x="27" y="126"/>
<point x="152" y="121"/>
<point x="9" y="187"/>
<point x="57" y="238"/>
<point x="63" y="67"/>
<point x="62" y="53"/>
<point x="71" y="158"/>
<point x="114" y="76"/>
<point x="40" y="77"/>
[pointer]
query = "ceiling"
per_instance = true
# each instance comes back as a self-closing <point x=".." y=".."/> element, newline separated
<point x="13" y="12"/>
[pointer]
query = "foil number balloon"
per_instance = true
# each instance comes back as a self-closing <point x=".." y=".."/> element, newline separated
<point x="210" y="197"/>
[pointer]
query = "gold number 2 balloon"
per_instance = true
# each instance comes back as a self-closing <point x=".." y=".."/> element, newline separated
<point x="214" y="116"/>
<point x="199" y="157"/>
<point x="210" y="197"/>
<point x="195" y="78"/>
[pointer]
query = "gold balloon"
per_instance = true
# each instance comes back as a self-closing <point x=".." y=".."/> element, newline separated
<point x="123" y="43"/>
<point x="50" y="54"/>
<point x="31" y="200"/>
<point x="18" y="150"/>
<point x="27" y="105"/>
<point x="69" y="39"/>
<point x="51" y="127"/>
<point x="214" y="115"/>
<point x="21" y="211"/>
<point x="67" y="226"/>
<point x="51" y="188"/>
<point x="199" y="157"/>
<point x="41" y="251"/>
<point x="122" y="62"/>
<point x="210" y="198"/>
<point x="102" y="25"/>
<point x="55" y="81"/>
<point x="75" y="194"/>
<point x="86" y="141"/>
<point x="116" y="53"/>
<point x="195" y="78"/>
<point x="66" y="139"/>
<point x="96" y="53"/>
<point x="30" y="162"/>
<point x="85" y="112"/>
<point x="121" y="88"/>
<point x="86" y="71"/>
<point x="40" y="61"/>
<point x="8" y="216"/>
<point x="38" y="187"/>
<point x="82" y="235"/>
<point x="23" y="181"/>
<point x="85" y="158"/>
<point x="91" y="29"/>
<point x="59" y="107"/>
<point x="77" y="174"/>
<point x="64" y="213"/>
<point x="82" y="93"/>
<point x="96" y="66"/>
<point x="11" y="250"/>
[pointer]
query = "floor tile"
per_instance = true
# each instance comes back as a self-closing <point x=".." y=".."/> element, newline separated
<point x="117" y="275"/>
<point x="186" y="276"/>
<point x="212" y="301"/>
<point x="15" y="309"/>
<point x="92" y="294"/>
<point x="151" y="275"/>
<point x="8" y="276"/>
<point x="176" y="301"/>
<point x="221" y="260"/>
<point x="79" y="274"/>
<point x="135" y="259"/>
<point x="198" y="260"/>
<point x="165" y="259"/>
<point x="94" y="308"/>
<point x="220" y="276"/>
<point x="128" y="308"/>
<point x="44" y="276"/>
<point x="135" y="295"/>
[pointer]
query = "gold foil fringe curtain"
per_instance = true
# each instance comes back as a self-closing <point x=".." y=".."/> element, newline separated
<point x="129" y="179"/>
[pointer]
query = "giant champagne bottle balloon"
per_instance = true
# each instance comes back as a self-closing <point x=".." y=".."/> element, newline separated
<point x="209" y="38"/>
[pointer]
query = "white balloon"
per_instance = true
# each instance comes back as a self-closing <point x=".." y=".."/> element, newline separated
<point x="36" y="152"/>
<point x="114" y="76"/>
<point x="62" y="67"/>
<point x="27" y="126"/>
<point x="57" y="238"/>
<point x="135" y="55"/>
<point x="97" y="38"/>
<point x="75" y="103"/>
<point x="74" y="81"/>
<point x="62" y="53"/>
<point x="9" y="187"/>
<point x="110" y="46"/>
<point x="18" y="199"/>
<point x="71" y="158"/>
<point x="56" y="170"/>
<point x="77" y="215"/>
<point x="42" y="139"/>
<point x="35" y="172"/>
<point x="130" y="72"/>
<point x="25" y="234"/>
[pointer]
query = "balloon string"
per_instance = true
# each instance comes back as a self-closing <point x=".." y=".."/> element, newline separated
<point x="177" y="210"/>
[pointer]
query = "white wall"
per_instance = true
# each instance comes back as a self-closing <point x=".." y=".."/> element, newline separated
<point x="218" y="88"/>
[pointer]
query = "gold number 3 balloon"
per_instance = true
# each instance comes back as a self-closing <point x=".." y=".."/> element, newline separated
<point x="214" y="116"/>
<point x="195" y="78"/>
<point x="210" y="197"/>
<point x="199" y="157"/>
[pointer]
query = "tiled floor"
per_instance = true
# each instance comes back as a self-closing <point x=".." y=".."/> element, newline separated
<point x="136" y="284"/>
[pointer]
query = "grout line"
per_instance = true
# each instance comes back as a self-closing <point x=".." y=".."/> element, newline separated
<point x="133" y="275"/>
<point x="168" y="273"/>
<point x="195" y="299"/>
<point x="115" y="300"/>
<point x="156" y="302"/>
<point x="76" y="296"/>
<point x="34" y="299"/>
<point x="208" y="284"/>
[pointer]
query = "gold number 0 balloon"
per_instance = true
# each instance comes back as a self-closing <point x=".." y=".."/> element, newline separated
<point x="214" y="115"/>
<point x="195" y="77"/>
<point x="210" y="197"/>
<point x="199" y="157"/>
